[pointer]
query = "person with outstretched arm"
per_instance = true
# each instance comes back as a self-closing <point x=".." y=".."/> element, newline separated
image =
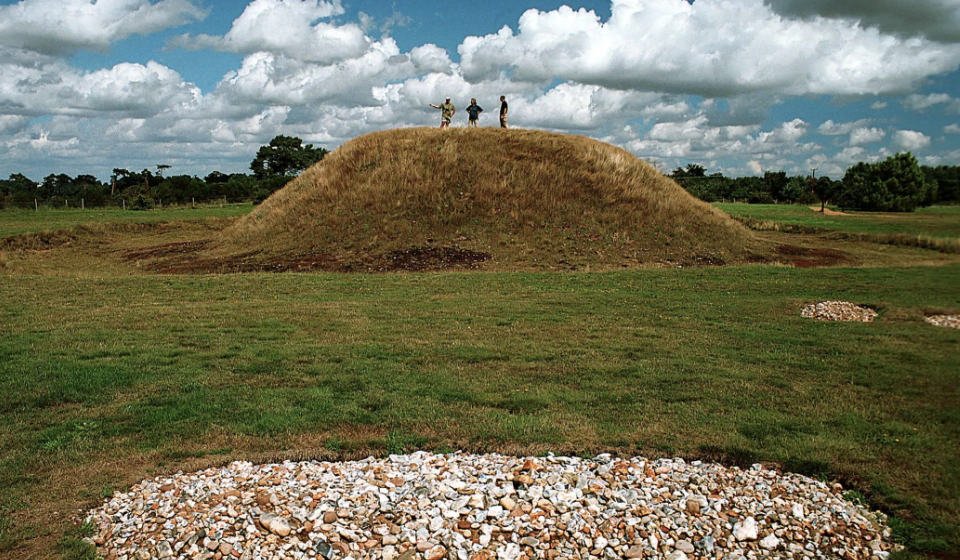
<point x="447" y="110"/>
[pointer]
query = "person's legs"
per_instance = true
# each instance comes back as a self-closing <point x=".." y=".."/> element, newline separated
<point x="503" y="122"/>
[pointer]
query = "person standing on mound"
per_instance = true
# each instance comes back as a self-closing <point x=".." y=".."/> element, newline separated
<point x="474" y="111"/>
<point x="504" y="112"/>
<point x="447" y="110"/>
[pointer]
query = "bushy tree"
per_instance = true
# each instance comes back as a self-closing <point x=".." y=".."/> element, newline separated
<point x="59" y="185"/>
<point x="216" y="177"/>
<point x="775" y="184"/>
<point x="692" y="170"/>
<point x="947" y="179"/>
<point x="895" y="184"/>
<point x="18" y="191"/>
<point x="182" y="189"/>
<point x="285" y="156"/>
<point x="824" y="188"/>
<point x="796" y="190"/>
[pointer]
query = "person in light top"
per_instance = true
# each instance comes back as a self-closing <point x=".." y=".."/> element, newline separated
<point x="447" y="110"/>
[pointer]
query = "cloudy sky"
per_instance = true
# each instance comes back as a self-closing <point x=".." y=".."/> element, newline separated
<point x="739" y="86"/>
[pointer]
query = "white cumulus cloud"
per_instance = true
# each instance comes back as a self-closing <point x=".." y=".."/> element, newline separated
<point x="293" y="28"/>
<point x="266" y="77"/>
<point x="53" y="87"/>
<point x="919" y="102"/>
<point x="830" y="128"/>
<point x="709" y="47"/>
<point x="866" y="135"/>
<point x="910" y="140"/>
<point x="62" y="26"/>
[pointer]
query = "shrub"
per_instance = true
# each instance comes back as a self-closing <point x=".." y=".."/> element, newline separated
<point x="894" y="185"/>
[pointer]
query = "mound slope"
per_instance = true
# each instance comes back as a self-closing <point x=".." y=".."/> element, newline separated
<point x="482" y="198"/>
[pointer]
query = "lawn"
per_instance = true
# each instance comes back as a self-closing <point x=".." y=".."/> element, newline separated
<point x="107" y="381"/>
<point x="934" y="221"/>
<point x="19" y="221"/>
<point x="108" y="378"/>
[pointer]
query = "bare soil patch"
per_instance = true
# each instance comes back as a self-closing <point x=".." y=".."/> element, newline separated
<point x="188" y="257"/>
<point x="809" y="257"/>
<point x="432" y="258"/>
<point x="828" y="212"/>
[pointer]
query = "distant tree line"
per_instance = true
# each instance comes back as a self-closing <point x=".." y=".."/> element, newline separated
<point x="275" y="164"/>
<point x="896" y="184"/>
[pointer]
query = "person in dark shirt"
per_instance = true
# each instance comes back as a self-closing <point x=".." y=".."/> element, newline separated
<point x="504" y="112"/>
<point x="474" y="111"/>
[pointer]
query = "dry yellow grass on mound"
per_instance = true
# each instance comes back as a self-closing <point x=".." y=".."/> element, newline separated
<point x="498" y="199"/>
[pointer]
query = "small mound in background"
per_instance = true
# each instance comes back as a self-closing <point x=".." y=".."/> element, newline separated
<point x="838" y="311"/>
<point x="414" y="199"/>
<point x="485" y="507"/>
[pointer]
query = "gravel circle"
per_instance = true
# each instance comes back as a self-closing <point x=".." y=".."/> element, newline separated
<point x="948" y="321"/>
<point x="838" y="311"/>
<point x="483" y="507"/>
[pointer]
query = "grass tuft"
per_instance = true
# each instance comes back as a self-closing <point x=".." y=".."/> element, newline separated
<point x="73" y="546"/>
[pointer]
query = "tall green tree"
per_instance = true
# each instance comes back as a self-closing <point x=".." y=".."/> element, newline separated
<point x="18" y="191"/>
<point x="947" y="178"/>
<point x="285" y="156"/>
<point x="775" y="184"/>
<point x="896" y="184"/>
<point x="692" y="170"/>
<point x="824" y="188"/>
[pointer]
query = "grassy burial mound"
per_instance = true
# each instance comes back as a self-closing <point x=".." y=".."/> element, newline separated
<point x="416" y="199"/>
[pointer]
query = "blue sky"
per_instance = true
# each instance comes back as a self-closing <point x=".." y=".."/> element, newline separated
<point x="739" y="86"/>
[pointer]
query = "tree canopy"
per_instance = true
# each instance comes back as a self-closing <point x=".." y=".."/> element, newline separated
<point x="285" y="156"/>
<point x="896" y="184"/>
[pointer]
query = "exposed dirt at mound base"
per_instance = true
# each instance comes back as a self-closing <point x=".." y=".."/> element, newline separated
<point x="186" y="258"/>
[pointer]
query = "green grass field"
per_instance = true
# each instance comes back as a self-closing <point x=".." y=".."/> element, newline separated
<point x="934" y="221"/>
<point x="107" y="379"/>
<point x="20" y="221"/>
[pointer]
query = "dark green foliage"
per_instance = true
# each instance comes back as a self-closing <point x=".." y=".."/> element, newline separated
<point x="717" y="187"/>
<point x="141" y="190"/>
<point x="17" y="191"/>
<point x="710" y="189"/>
<point x="775" y="183"/>
<point x="285" y="156"/>
<point x="216" y="178"/>
<point x="182" y="189"/>
<point x="796" y="190"/>
<point x="692" y="170"/>
<point x="895" y="184"/>
<point x="774" y="186"/>
<point x="142" y="203"/>
<point x="825" y="189"/>
<point x="947" y="178"/>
